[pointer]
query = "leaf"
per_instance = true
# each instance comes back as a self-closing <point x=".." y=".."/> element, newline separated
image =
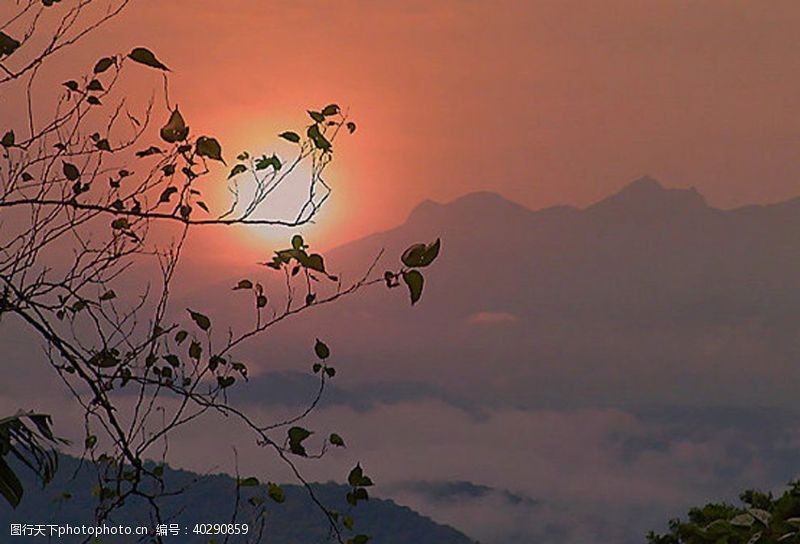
<point x="252" y="481"/>
<point x="209" y="147"/>
<point x="103" y="64"/>
<point x="421" y="255"/>
<point x="203" y="205"/>
<point x="298" y="242"/>
<point x="261" y="301"/>
<point x="243" y="284"/>
<point x="236" y="170"/>
<point x="336" y="440"/>
<point x="320" y="142"/>
<point x="356" y="478"/>
<point x="167" y="193"/>
<point x="296" y="437"/>
<point x="94" y="101"/>
<point x="290" y="136"/>
<point x="172" y="360"/>
<point x="175" y="130"/>
<point x="195" y="350"/>
<point x="146" y="57"/>
<point x="7" y="44"/>
<point x="329" y="110"/>
<point x="152" y="150"/>
<point x="94" y="85"/>
<point x="414" y="280"/>
<point x="72" y="85"/>
<point x="761" y="515"/>
<point x="321" y="349"/>
<point x="108" y="295"/>
<point x="316" y="116"/>
<point x="315" y="262"/>
<point x="201" y="320"/>
<point x="351" y="127"/>
<point x="275" y="492"/>
<point x="10" y="486"/>
<point x="742" y="520"/>
<point x="103" y="145"/>
<point x="71" y="171"/>
<point x="359" y="539"/>
<point x="180" y="336"/>
<point x="8" y="139"/>
<point x="120" y="223"/>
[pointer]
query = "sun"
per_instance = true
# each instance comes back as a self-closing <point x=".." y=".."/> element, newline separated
<point x="285" y="197"/>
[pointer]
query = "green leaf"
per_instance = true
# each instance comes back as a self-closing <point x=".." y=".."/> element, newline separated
<point x="414" y="280"/>
<point x="103" y="64"/>
<point x="8" y="139"/>
<point x="236" y="170"/>
<point x="71" y="171"/>
<point x="209" y="147"/>
<point x="321" y="349"/>
<point x="316" y="116"/>
<point x="275" y="492"/>
<point x="356" y="478"/>
<point x="336" y="440"/>
<point x="315" y="262"/>
<point x="320" y="142"/>
<point x="290" y="136"/>
<point x="243" y="284"/>
<point x="72" y="85"/>
<point x="94" y="101"/>
<point x="421" y="255"/>
<point x="175" y="130"/>
<point x="351" y="127"/>
<point x="146" y="57"/>
<point x="201" y="320"/>
<point x="296" y="437"/>
<point x="298" y="242"/>
<point x="248" y="482"/>
<point x="180" y="336"/>
<point x="329" y="110"/>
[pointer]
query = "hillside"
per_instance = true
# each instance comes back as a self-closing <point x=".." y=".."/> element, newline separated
<point x="210" y="499"/>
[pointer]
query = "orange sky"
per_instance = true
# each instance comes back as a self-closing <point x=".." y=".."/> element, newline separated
<point x="546" y="102"/>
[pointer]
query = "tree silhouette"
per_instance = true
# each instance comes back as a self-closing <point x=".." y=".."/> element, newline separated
<point x="95" y="206"/>
<point x="761" y="518"/>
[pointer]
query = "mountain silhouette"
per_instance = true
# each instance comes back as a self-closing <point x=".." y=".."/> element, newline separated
<point x="649" y="296"/>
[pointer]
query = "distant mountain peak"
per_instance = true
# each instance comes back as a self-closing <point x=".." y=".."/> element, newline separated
<point x="476" y="204"/>
<point x="646" y="194"/>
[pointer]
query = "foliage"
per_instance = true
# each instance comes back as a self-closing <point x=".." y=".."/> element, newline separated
<point x="28" y="438"/>
<point x="762" y="518"/>
<point x="96" y="204"/>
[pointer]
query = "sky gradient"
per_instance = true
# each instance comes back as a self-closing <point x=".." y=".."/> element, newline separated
<point x="544" y="102"/>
